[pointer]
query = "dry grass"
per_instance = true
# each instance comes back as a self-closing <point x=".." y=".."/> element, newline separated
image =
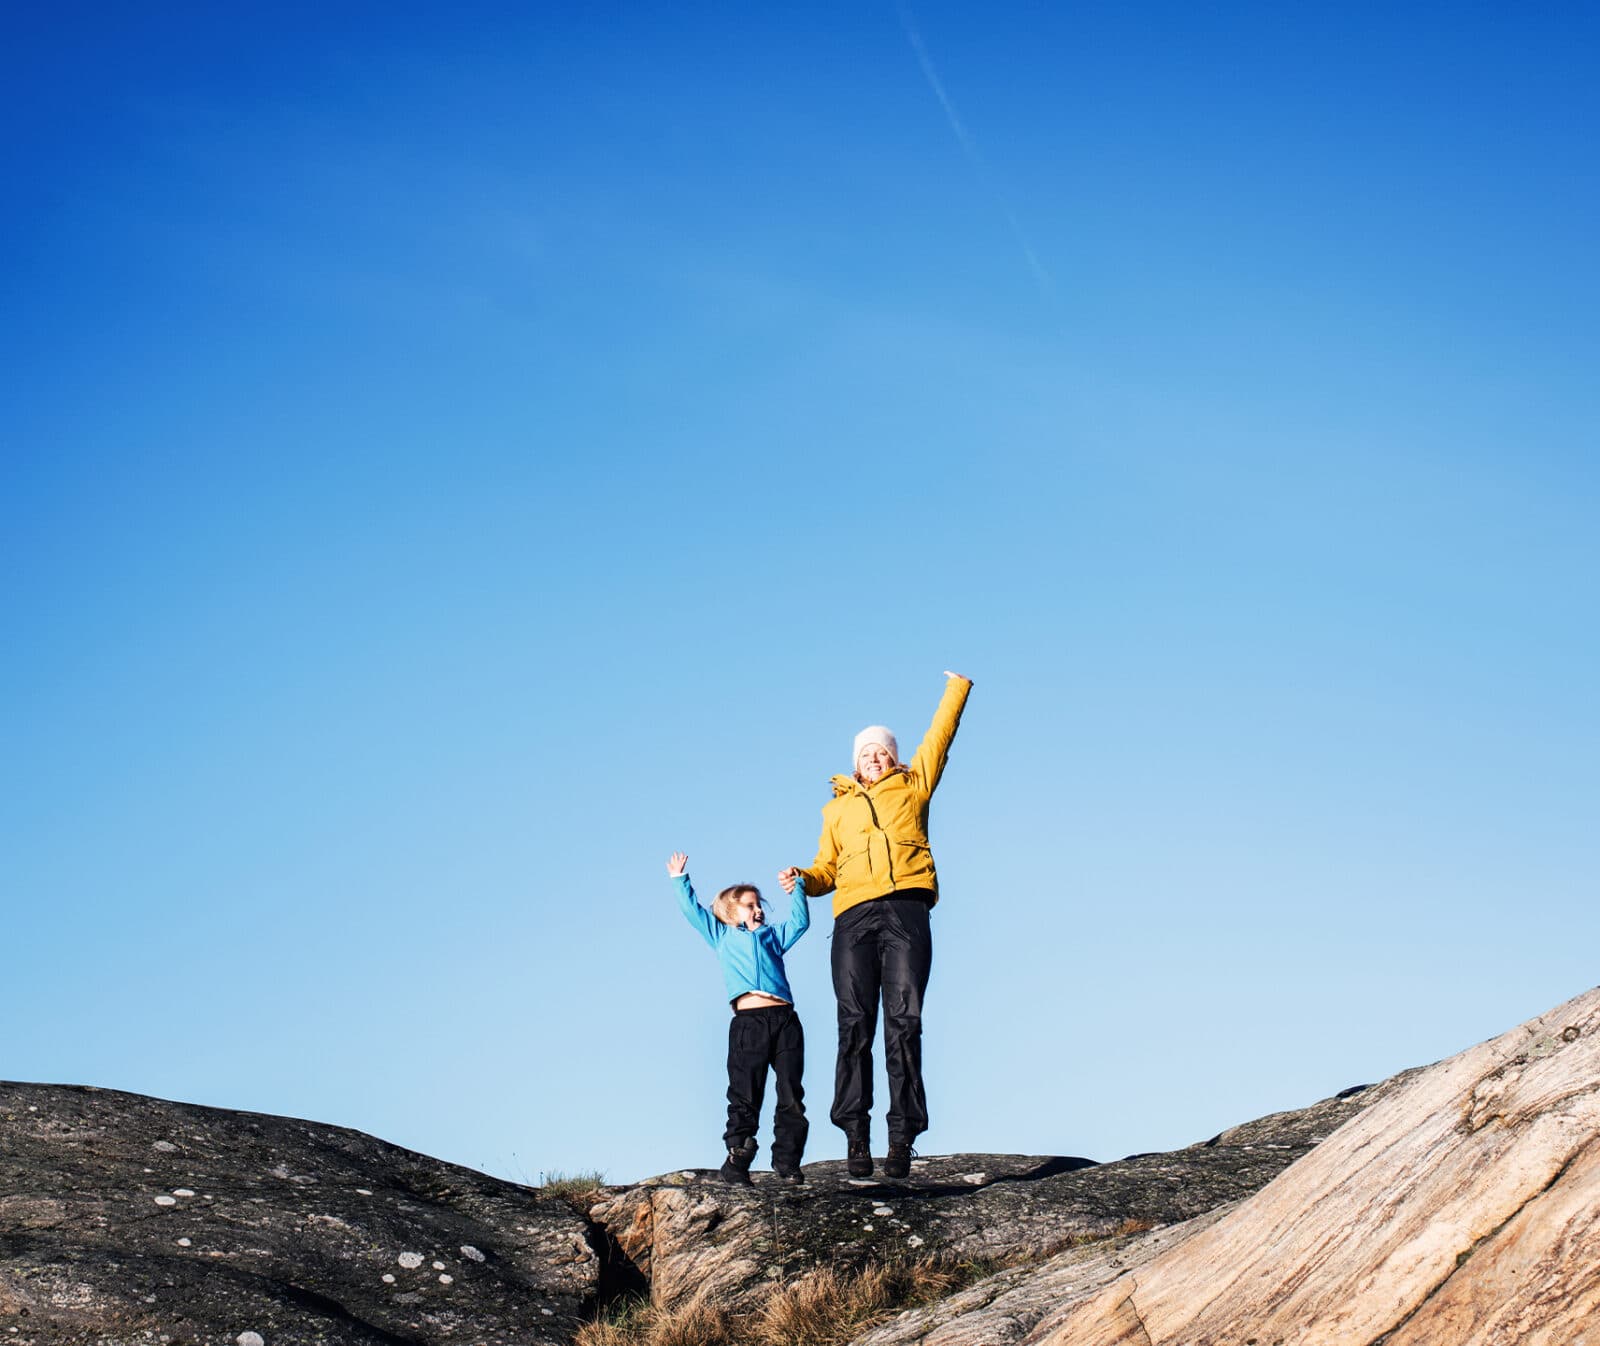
<point x="821" y="1308"/>
<point x="697" y="1323"/>
<point x="571" y="1187"/>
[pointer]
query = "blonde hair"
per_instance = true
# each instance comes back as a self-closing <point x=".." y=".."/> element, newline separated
<point x="726" y="903"/>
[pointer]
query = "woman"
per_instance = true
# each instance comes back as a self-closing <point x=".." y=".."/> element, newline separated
<point x="874" y="858"/>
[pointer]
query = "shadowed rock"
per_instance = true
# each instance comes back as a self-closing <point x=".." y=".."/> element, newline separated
<point x="690" y="1234"/>
<point x="127" y="1219"/>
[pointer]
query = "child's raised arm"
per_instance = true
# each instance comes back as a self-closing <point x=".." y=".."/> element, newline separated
<point x="799" y="921"/>
<point x="697" y="916"/>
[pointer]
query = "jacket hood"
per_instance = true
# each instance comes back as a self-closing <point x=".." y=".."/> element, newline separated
<point x="843" y="785"/>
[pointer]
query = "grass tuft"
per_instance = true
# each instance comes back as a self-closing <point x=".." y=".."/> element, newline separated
<point x="571" y="1186"/>
<point x="820" y="1308"/>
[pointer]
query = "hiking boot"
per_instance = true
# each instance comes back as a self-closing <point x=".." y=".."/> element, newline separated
<point x="898" y="1162"/>
<point x="789" y="1174"/>
<point x="736" y="1167"/>
<point x="858" y="1162"/>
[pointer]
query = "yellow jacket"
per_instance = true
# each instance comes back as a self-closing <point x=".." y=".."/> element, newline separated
<point x="875" y="837"/>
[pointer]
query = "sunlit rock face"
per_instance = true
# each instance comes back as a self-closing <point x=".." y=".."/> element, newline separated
<point x="1461" y="1208"/>
<point x="126" y="1219"/>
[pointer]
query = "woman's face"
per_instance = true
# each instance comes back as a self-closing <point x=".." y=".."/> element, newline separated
<point x="875" y="759"/>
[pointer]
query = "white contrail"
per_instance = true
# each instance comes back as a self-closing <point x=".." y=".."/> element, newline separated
<point x="969" y="147"/>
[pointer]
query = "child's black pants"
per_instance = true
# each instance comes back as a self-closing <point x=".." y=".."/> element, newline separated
<point x="770" y="1036"/>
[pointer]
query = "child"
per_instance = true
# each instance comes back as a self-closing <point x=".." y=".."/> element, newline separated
<point x="765" y="1030"/>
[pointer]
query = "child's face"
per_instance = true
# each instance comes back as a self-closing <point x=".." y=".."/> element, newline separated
<point x="748" y="911"/>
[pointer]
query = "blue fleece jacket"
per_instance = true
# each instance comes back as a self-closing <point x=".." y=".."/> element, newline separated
<point x="751" y="960"/>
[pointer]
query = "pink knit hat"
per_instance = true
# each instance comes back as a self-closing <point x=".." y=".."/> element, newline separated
<point x="874" y="733"/>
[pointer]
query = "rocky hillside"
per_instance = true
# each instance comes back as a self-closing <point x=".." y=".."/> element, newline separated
<point x="1450" y="1204"/>
<point x="126" y="1219"/>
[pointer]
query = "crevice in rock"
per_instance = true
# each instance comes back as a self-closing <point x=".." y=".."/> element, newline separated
<point x="1466" y="1255"/>
<point x="332" y="1308"/>
<point x="618" y="1276"/>
<point x="1138" y="1318"/>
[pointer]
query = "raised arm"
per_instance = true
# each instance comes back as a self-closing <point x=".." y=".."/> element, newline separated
<point x="927" y="763"/>
<point x="697" y="916"/>
<point x="799" y="921"/>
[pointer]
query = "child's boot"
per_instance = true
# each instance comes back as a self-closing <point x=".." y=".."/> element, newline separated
<point x="736" y="1167"/>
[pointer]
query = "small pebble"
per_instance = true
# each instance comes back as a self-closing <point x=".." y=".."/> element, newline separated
<point x="410" y="1261"/>
<point x="363" y="1191"/>
<point x="165" y="1146"/>
<point x="250" y="1339"/>
<point x="182" y="1191"/>
<point x="438" y="1266"/>
<point x="388" y="1278"/>
<point x="186" y="1243"/>
<point x="166" y="1201"/>
<point x="471" y="1253"/>
<point x="446" y="1280"/>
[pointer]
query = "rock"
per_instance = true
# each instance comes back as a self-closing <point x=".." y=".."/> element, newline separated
<point x="1461" y="1206"/>
<point x="1004" y="1308"/>
<point x="688" y="1233"/>
<point x="128" y="1219"/>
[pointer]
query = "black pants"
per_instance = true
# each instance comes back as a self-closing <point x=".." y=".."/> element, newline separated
<point x="882" y="948"/>
<point x="759" y="1038"/>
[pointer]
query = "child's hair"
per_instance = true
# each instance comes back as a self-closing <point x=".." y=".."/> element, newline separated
<point x="724" y="905"/>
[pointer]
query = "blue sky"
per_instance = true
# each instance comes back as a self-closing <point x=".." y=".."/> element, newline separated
<point x="451" y="462"/>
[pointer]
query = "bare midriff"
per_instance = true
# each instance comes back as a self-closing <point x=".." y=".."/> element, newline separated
<point x="757" y="1000"/>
